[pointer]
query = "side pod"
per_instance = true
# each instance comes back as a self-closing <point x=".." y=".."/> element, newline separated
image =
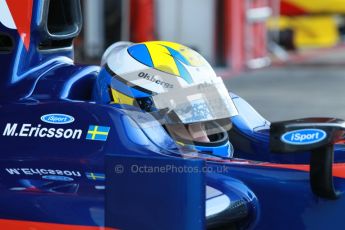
<point x="154" y="193"/>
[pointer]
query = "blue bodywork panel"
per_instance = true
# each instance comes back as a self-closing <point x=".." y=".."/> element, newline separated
<point x="68" y="161"/>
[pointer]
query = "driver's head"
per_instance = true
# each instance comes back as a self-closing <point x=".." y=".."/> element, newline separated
<point x="174" y="84"/>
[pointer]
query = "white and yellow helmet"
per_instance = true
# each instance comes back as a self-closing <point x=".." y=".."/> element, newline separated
<point x="173" y="82"/>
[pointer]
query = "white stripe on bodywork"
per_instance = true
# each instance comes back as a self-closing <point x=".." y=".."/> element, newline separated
<point x="216" y="201"/>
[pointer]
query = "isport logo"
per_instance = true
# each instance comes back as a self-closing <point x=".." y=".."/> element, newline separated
<point x="57" y="118"/>
<point x="304" y="136"/>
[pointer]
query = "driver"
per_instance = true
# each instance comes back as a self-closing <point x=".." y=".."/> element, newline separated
<point x="175" y="85"/>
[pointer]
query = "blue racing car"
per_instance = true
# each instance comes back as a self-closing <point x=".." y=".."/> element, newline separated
<point x="151" y="139"/>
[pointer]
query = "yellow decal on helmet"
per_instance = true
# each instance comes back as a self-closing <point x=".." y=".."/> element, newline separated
<point x="162" y="59"/>
<point x="120" y="98"/>
<point x="190" y="55"/>
<point x="168" y="57"/>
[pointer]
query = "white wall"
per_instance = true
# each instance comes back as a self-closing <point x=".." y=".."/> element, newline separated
<point x="94" y="28"/>
<point x="190" y="22"/>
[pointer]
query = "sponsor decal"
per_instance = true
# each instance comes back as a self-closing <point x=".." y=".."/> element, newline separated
<point x="95" y="176"/>
<point x="97" y="133"/>
<point x="42" y="172"/>
<point x="204" y="85"/>
<point x="152" y="78"/>
<point x="304" y="136"/>
<point x="29" y="130"/>
<point x="57" y="118"/>
<point x="58" y="178"/>
<point x="94" y="133"/>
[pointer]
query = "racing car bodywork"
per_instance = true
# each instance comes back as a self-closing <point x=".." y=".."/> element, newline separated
<point x="69" y="163"/>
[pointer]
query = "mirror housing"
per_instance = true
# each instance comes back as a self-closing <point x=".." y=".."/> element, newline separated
<point x="317" y="135"/>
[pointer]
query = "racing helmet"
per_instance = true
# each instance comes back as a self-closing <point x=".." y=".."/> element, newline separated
<point x="176" y="86"/>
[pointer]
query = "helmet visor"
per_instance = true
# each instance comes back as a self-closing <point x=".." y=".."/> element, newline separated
<point x="201" y="132"/>
<point x="197" y="103"/>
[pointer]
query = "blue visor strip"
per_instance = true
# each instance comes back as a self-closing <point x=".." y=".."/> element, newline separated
<point x="127" y="90"/>
<point x="220" y="151"/>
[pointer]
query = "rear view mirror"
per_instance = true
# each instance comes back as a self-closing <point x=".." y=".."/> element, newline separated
<point x="316" y="135"/>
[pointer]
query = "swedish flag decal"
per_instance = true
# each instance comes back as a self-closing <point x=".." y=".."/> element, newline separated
<point x="95" y="176"/>
<point x="97" y="133"/>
